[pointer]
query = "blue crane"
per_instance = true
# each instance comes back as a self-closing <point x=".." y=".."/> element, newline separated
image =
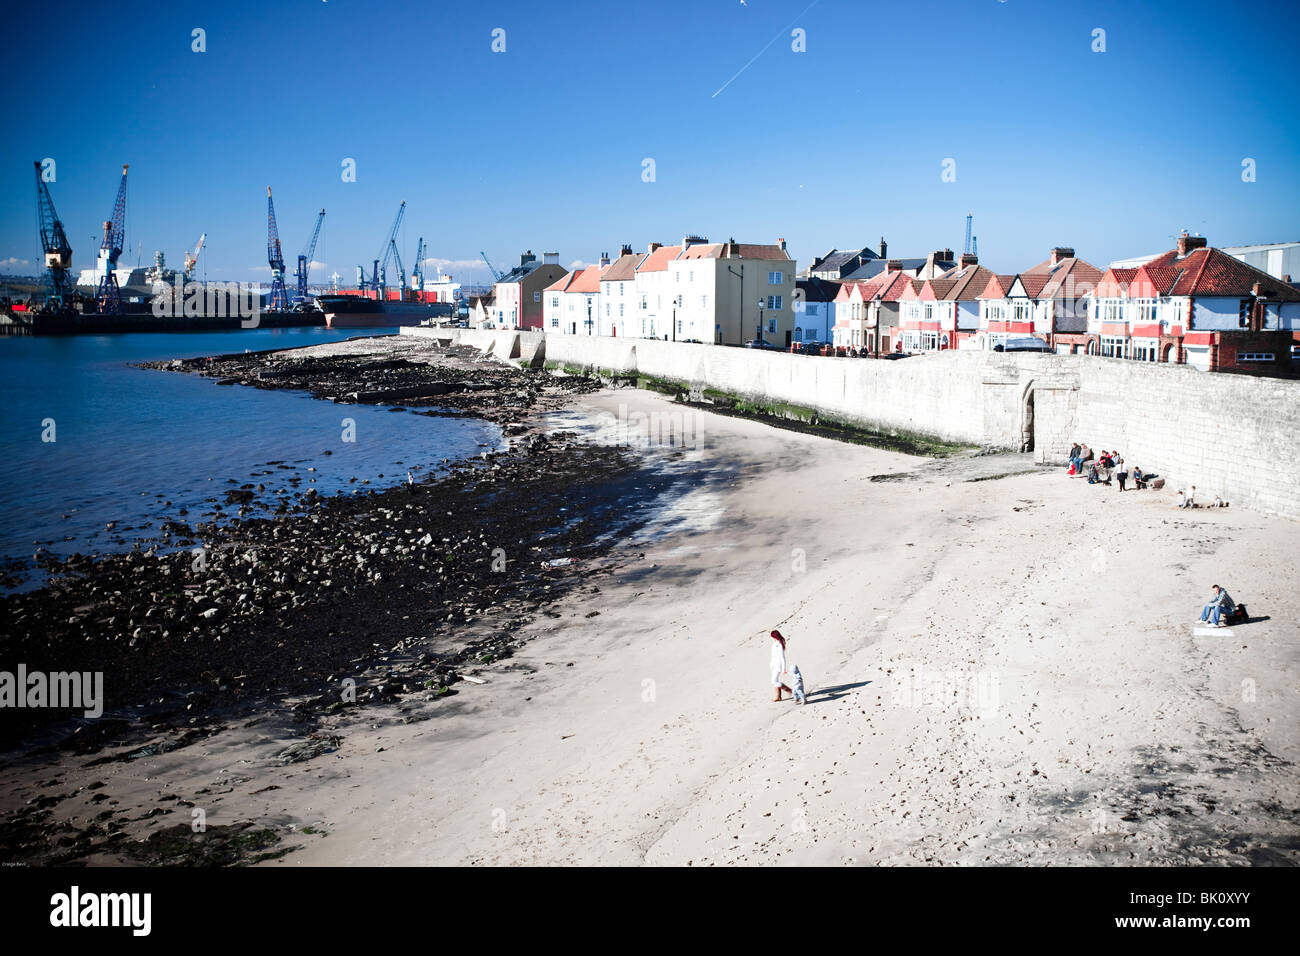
<point x="417" y="270"/>
<point x="108" y="297"/>
<point x="278" y="301"/>
<point x="496" y="276"/>
<point x="304" y="260"/>
<point x="55" y="245"/>
<point x="967" y="249"/>
<point x="379" y="281"/>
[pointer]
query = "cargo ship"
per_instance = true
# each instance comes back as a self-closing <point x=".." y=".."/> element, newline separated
<point x="359" y="312"/>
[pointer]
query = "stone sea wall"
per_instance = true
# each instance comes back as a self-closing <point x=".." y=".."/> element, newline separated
<point x="1230" y="435"/>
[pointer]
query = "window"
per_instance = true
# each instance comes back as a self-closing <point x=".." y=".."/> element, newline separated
<point x="537" y="296"/>
<point x="774" y="301"/>
<point x="690" y="276"/>
<point x="775" y="278"/>
<point x="679" y="326"/>
<point x="620" y="308"/>
<point x="620" y="288"/>
<point x="1243" y="314"/>
<point x="929" y="311"/>
<point x="1114" y="347"/>
<point x="1254" y="356"/>
<point x="555" y="321"/>
<point x="555" y="301"/>
<point x="1020" y="311"/>
<point x="1146" y="310"/>
<point x="607" y="310"/>
<point x="704" y="302"/>
<point x="771" y="325"/>
<point x="643" y="302"/>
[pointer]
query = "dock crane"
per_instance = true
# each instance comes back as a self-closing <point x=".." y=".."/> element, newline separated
<point x="967" y="249"/>
<point x="192" y="258"/>
<point x="379" y="281"/>
<point x="55" y="245"/>
<point x="304" y="260"/>
<point x="108" y="297"/>
<point x="496" y="276"/>
<point x="417" y="270"/>
<point x="279" y="298"/>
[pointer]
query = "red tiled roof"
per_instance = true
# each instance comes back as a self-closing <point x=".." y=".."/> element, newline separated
<point x="1075" y="276"/>
<point x="658" y="260"/>
<point x="588" y="280"/>
<point x="967" y="282"/>
<point x="725" y="250"/>
<point x="1033" y="284"/>
<point x="1212" y="272"/>
<point x="893" y="287"/>
<point x="562" y="283"/>
<point x="997" y="287"/>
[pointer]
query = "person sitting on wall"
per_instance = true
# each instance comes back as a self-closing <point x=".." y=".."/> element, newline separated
<point x="1220" y="605"/>
<point x="1073" y="459"/>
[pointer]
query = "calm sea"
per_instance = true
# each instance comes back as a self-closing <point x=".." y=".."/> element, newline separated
<point x="127" y="440"/>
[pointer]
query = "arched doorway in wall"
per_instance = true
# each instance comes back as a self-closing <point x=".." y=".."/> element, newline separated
<point x="1167" y="354"/>
<point x="1092" y="346"/>
<point x="1027" y="418"/>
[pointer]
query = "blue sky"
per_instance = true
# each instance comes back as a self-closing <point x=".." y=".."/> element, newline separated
<point x="542" y="147"/>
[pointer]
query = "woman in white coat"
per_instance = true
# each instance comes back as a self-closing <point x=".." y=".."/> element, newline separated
<point x="778" y="666"/>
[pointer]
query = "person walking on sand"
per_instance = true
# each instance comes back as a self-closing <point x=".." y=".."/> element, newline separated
<point x="1121" y="474"/>
<point x="778" y="666"/>
<point x="1221" y="604"/>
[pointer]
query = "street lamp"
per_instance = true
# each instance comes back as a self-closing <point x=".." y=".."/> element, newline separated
<point x="589" y="315"/>
<point x="760" y="320"/>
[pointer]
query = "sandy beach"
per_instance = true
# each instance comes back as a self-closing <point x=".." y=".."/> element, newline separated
<point x="1004" y="671"/>
<point x="1002" y="662"/>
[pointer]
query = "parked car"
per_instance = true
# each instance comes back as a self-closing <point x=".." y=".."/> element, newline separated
<point x="760" y="344"/>
<point x="1025" y="343"/>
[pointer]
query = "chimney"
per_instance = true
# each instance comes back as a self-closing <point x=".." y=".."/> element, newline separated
<point x="884" y="247"/>
<point x="653" y="246"/>
<point x="527" y="257"/>
<point x="893" y="265"/>
<point x="1187" y="243"/>
<point x="1061" y="252"/>
<point x="625" y="250"/>
<point x="947" y="255"/>
<point x="604" y="259"/>
<point x="969" y="259"/>
<point x="551" y="258"/>
<point x="688" y="241"/>
<point x="781" y="243"/>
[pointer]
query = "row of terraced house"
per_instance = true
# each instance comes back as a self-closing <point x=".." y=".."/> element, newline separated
<point x="1192" y="305"/>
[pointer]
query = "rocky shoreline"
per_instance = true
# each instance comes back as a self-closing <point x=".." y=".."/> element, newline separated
<point x="367" y="606"/>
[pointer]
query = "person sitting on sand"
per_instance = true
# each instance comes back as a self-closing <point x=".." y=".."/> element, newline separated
<point x="1139" y="480"/>
<point x="1221" y="605"/>
<point x="1075" y="462"/>
<point x="1182" y="500"/>
<point x="778" y="666"/>
<point x="1191" y="498"/>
